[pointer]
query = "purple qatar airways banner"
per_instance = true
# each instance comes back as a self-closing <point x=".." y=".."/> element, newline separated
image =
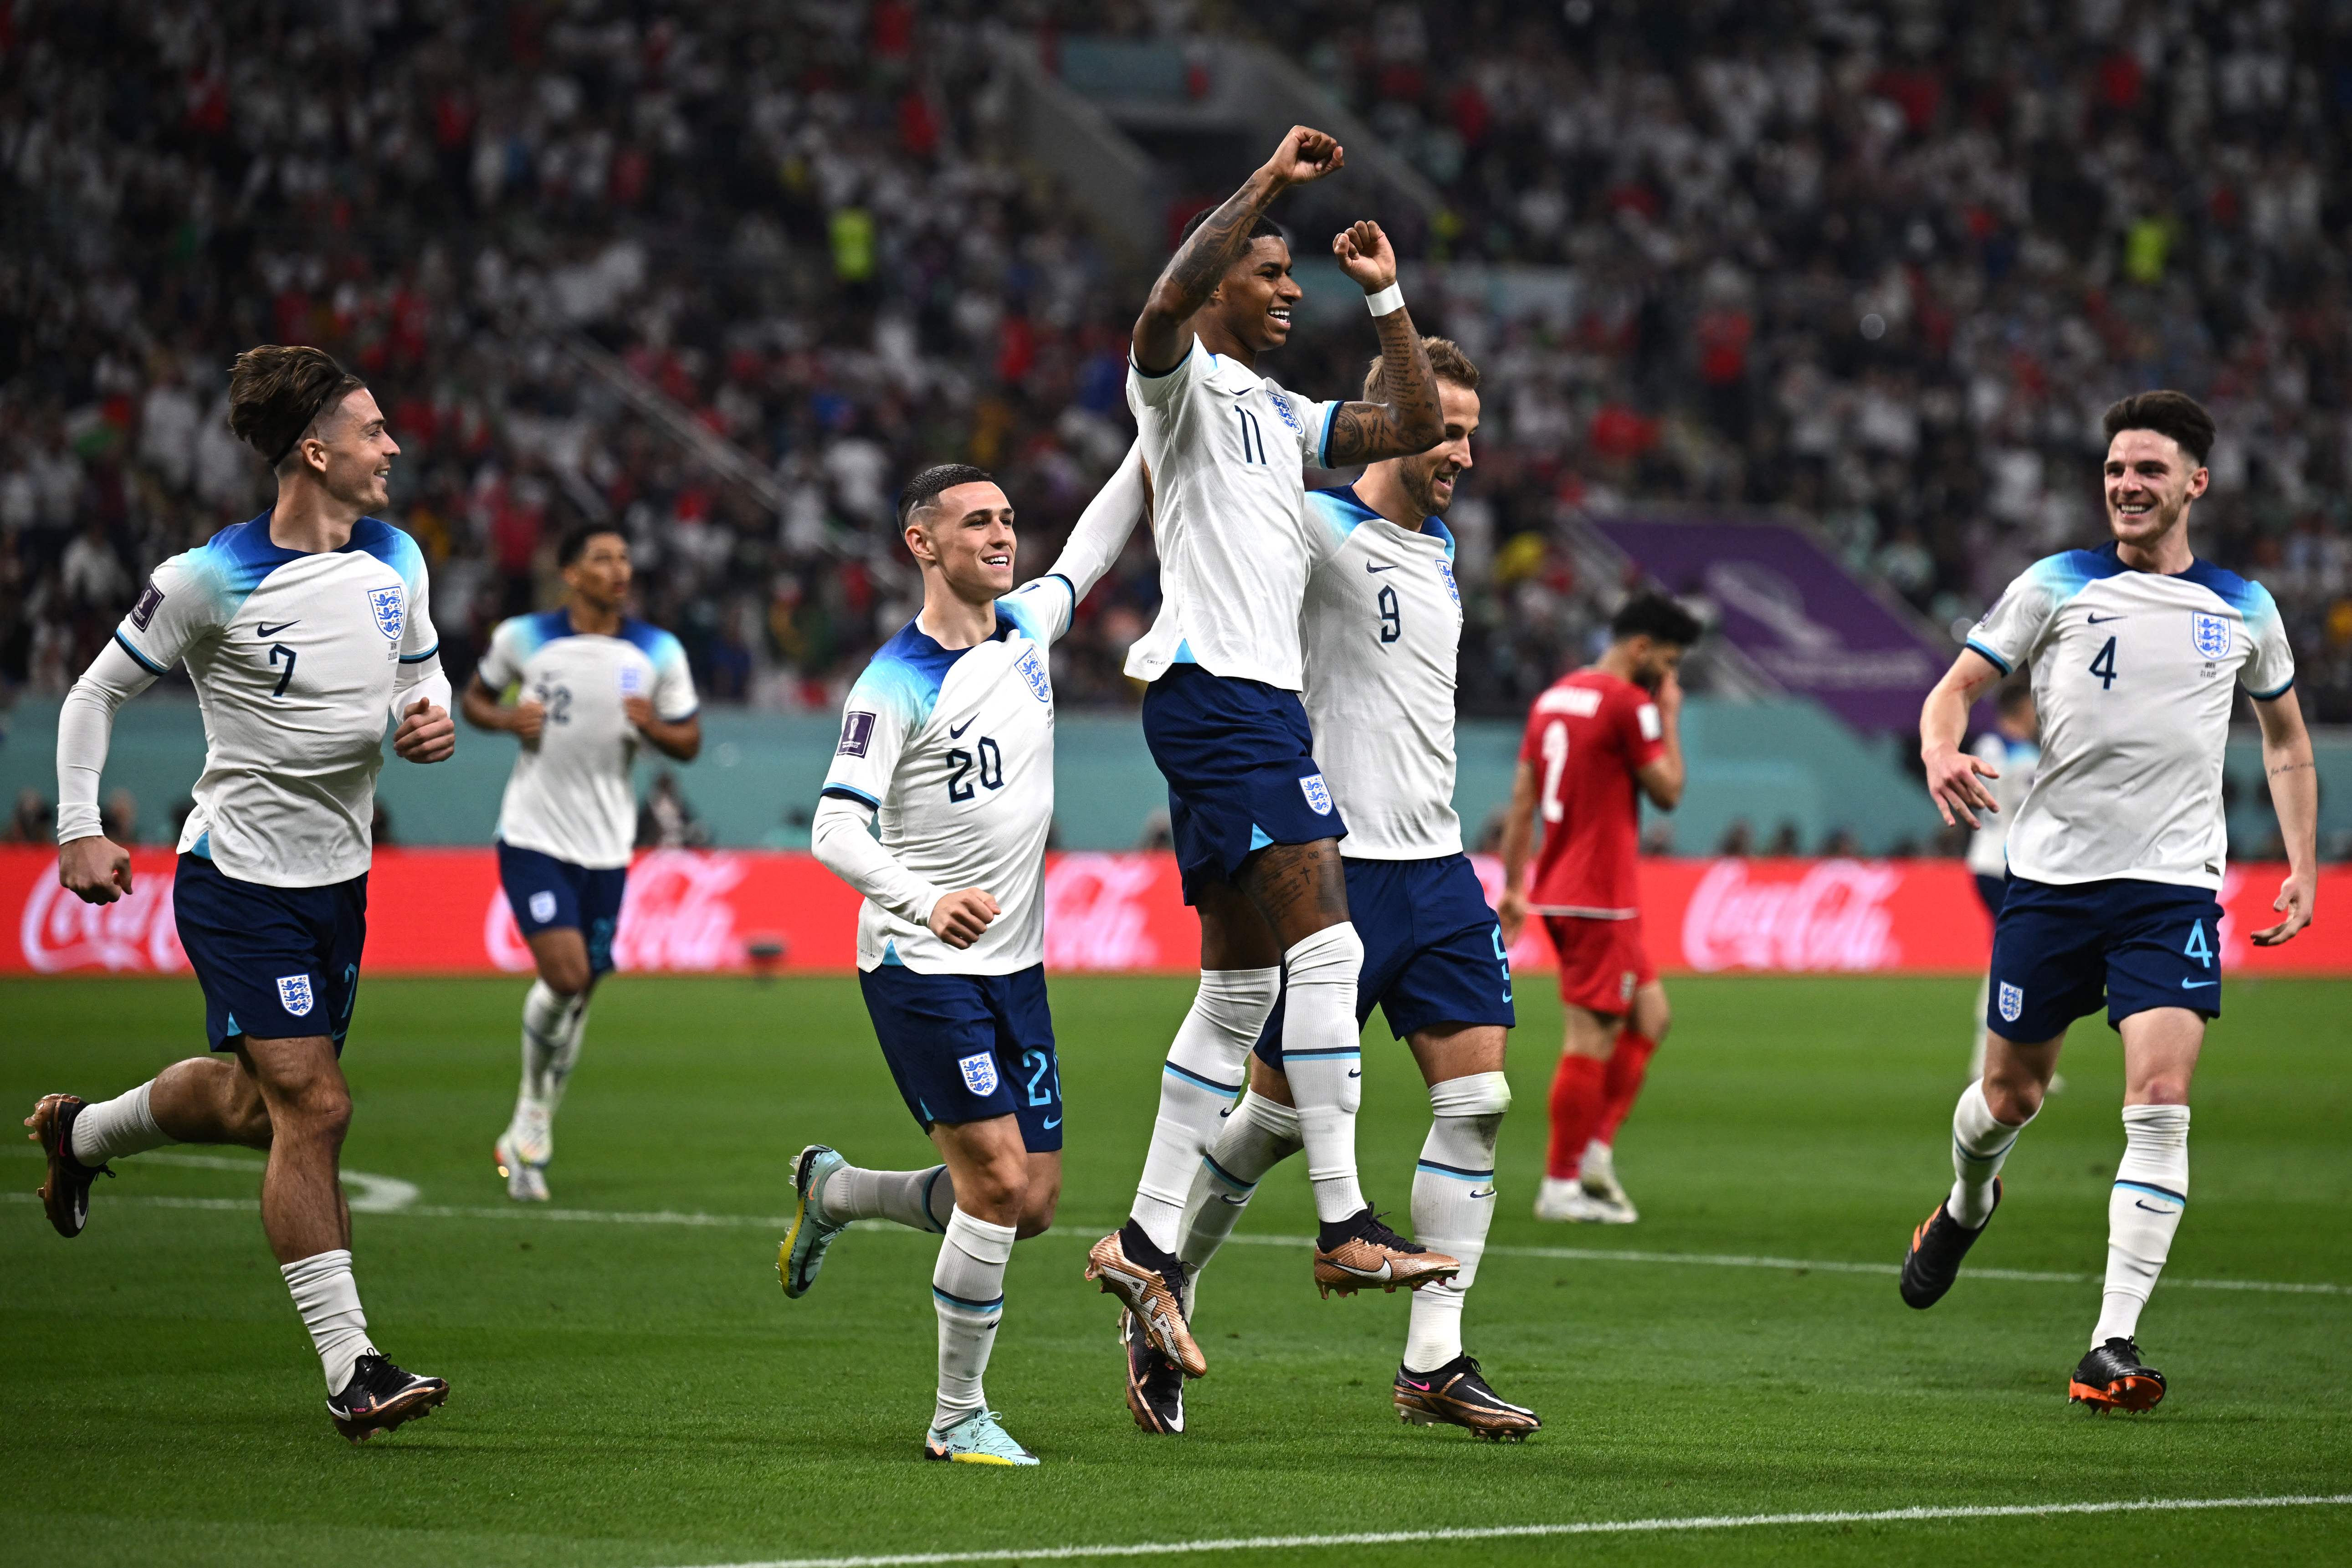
<point x="1797" y="614"/>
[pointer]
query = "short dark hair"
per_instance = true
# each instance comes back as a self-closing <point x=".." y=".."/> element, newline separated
<point x="2173" y="413"/>
<point x="574" y="543"/>
<point x="1657" y="617"/>
<point x="276" y="393"/>
<point x="1264" y="228"/>
<point x="1445" y="359"/>
<point x="924" y="488"/>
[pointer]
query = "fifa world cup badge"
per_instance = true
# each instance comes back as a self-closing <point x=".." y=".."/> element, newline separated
<point x="2012" y="1002"/>
<point x="978" y="1072"/>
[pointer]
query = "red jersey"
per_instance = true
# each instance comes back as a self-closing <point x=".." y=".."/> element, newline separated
<point x="1586" y="736"/>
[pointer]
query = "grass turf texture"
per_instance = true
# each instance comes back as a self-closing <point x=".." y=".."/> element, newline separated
<point x="643" y="1395"/>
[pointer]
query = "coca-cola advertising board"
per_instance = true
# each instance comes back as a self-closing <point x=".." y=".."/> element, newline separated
<point x="440" y="912"/>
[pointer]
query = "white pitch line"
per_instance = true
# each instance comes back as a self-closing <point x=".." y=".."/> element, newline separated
<point x="1070" y="1230"/>
<point x="1522" y="1531"/>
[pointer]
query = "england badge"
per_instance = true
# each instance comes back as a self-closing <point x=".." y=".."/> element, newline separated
<point x="1317" y="793"/>
<point x="390" y="606"/>
<point x="979" y="1071"/>
<point x="2012" y="1002"/>
<point x="294" y="994"/>
<point x="2210" y="633"/>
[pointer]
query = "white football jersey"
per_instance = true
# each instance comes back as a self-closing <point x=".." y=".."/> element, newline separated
<point x="1224" y="446"/>
<point x="1382" y="627"/>
<point x="2135" y="674"/>
<point x="2015" y="761"/>
<point x="570" y="795"/>
<point x="954" y="750"/>
<point x="294" y="657"/>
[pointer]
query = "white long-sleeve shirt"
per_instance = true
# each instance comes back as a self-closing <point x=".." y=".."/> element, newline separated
<point x="300" y="660"/>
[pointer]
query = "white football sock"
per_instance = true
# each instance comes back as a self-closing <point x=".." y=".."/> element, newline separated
<point x="1259" y="1136"/>
<point x="1980" y="1144"/>
<point x="968" y="1293"/>
<point x="1322" y="1055"/>
<point x="329" y="1300"/>
<point x="2143" y="1212"/>
<point x="920" y="1200"/>
<point x="1206" y="1068"/>
<point x="552" y="1027"/>
<point x="1453" y="1205"/>
<point x="113" y="1128"/>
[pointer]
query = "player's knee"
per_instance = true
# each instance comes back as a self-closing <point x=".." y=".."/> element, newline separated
<point x="2012" y="1097"/>
<point x="1038" y="1201"/>
<point x="1332" y="956"/>
<point x="566" y="975"/>
<point x="1475" y="1094"/>
<point x="998" y="1186"/>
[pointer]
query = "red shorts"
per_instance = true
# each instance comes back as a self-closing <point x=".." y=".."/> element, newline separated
<point x="1602" y="963"/>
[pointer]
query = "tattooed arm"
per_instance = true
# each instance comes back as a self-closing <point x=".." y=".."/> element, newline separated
<point x="1411" y="420"/>
<point x="1194" y="273"/>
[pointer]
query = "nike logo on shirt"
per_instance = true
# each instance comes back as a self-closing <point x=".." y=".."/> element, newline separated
<point x="2101" y="620"/>
<point x="953" y="733"/>
<point x="1390" y="567"/>
<point x="2193" y="984"/>
<point x="264" y="629"/>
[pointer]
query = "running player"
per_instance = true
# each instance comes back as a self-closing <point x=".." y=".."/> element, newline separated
<point x="305" y="631"/>
<point x="1256" y="829"/>
<point x="1596" y="741"/>
<point x="948" y="739"/>
<point x="592" y="682"/>
<point x="2136" y="650"/>
<point x="2009" y="754"/>
<point x="1382" y="626"/>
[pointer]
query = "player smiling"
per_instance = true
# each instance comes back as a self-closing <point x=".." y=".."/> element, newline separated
<point x="304" y="630"/>
<point x="1256" y="830"/>
<point x="2117" y="856"/>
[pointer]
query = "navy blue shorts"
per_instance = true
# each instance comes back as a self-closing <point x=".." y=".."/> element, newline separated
<point x="1432" y="950"/>
<point x="1990" y="892"/>
<point x="276" y="963"/>
<point x="1238" y="759"/>
<point x="546" y="893"/>
<point x="2057" y="952"/>
<point x="965" y="1047"/>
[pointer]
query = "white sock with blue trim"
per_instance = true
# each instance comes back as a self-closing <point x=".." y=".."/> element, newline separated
<point x="1981" y="1145"/>
<point x="1322" y="1055"/>
<point x="920" y="1200"/>
<point x="1453" y="1205"/>
<point x="1206" y="1068"/>
<point x="1259" y="1136"/>
<point x="2144" y="1212"/>
<point x="968" y="1293"/>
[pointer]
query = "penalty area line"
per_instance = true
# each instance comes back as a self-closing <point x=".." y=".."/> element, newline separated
<point x="1580" y="1527"/>
<point x="1068" y="1231"/>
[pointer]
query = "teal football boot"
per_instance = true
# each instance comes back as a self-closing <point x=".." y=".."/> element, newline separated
<point x="802" y="1252"/>
<point x="977" y="1439"/>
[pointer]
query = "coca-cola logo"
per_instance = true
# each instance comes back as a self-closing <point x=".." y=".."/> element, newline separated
<point x="677" y="915"/>
<point x="1834" y="916"/>
<point x="58" y="932"/>
<point x="1097" y="912"/>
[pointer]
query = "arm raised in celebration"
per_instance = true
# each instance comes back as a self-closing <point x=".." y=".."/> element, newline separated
<point x="1410" y="419"/>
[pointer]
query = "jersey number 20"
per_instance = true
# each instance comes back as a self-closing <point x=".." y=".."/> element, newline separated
<point x="991" y="769"/>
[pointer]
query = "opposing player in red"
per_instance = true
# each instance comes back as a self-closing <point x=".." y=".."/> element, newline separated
<point x="1597" y="740"/>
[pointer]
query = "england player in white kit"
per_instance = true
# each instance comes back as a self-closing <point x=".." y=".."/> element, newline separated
<point x="2137" y="651"/>
<point x="306" y="632"/>
<point x="592" y="683"/>
<point x="1256" y="833"/>
<point x="947" y="744"/>
<point x="1382" y="629"/>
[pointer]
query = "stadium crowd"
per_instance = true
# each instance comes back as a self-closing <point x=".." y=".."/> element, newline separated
<point x="1869" y="264"/>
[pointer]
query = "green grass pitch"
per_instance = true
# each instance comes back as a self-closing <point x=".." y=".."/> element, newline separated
<point x="641" y="1394"/>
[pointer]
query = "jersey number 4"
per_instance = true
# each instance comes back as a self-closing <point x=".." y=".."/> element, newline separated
<point x="991" y="769"/>
<point x="2102" y="665"/>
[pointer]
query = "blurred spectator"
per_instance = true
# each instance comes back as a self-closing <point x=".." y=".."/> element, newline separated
<point x="34" y="822"/>
<point x="118" y="818"/>
<point x="664" y="820"/>
<point x="1738" y="838"/>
